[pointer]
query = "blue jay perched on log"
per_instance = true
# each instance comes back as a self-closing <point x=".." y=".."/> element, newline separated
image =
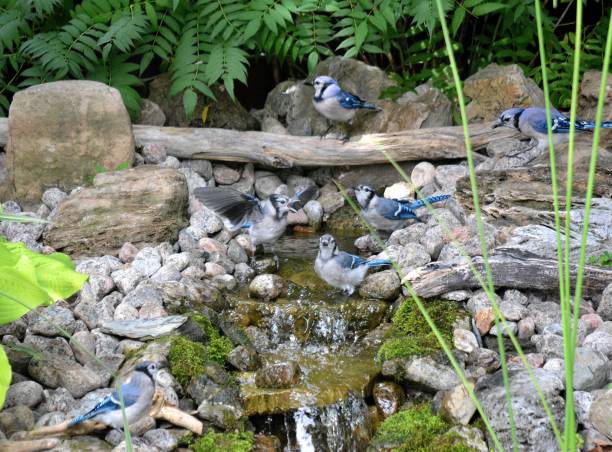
<point x="137" y="391"/>
<point x="389" y="214"/>
<point x="335" y="103"/>
<point x="531" y="122"/>
<point x="265" y="220"/>
<point x="340" y="269"/>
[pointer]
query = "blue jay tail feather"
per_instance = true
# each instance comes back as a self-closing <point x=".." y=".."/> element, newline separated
<point x="107" y="404"/>
<point x="378" y="263"/>
<point x="430" y="199"/>
<point x="228" y="203"/>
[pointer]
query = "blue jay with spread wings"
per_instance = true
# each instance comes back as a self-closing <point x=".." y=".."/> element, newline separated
<point x="137" y="391"/>
<point x="264" y="220"/>
<point x="389" y="214"/>
<point x="531" y="122"/>
<point x="340" y="269"/>
<point x="336" y="104"/>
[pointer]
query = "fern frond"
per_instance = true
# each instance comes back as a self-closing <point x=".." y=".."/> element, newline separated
<point x="125" y="29"/>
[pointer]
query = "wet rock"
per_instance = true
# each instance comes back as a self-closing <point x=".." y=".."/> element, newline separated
<point x="464" y="340"/>
<point x="258" y="338"/>
<point x="121" y="207"/>
<point x="388" y="397"/>
<point x="218" y="401"/>
<point x="265" y="265"/>
<point x="17" y="419"/>
<point x="267" y="287"/>
<point x="590" y="369"/>
<point x="225" y="282"/>
<point x="243" y="273"/>
<point x="422" y="370"/>
<point x="27" y="393"/>
<point x="384" y="285"/>
<point x="457" y="406"/>
<point x="244" y="358"/>
<point x="605" y="305"/>
<point x="103" y="136"/>
<point x="144" y="328"/>
<point x="496" y="88"/>
<point x="267" y="443"/>
<point x="278" y="375"/>
<point x="534" y="432"/>
<point x="601" y="413"/>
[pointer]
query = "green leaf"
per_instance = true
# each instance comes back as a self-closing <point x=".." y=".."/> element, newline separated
<point x="361" y="32"/>
<point x="458" y="17"/>
<point x="190" y="99"/>
<point x="5" y="375"/>
<point x="313" y="59"/>
<point x="121" y="166"/>
<point x="488" y="8"/>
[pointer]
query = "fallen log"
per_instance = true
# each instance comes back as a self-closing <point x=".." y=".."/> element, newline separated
<point x="284" y="151"/>
<point x="510" y="269"/>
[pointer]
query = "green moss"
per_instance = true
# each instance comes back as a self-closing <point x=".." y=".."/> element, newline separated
<point x="218" y="346"/>
<point x="417" y="430"/>
<point x="187" y="359"/>
<point x="224" y="442"/>
<point x="411" y="335"/>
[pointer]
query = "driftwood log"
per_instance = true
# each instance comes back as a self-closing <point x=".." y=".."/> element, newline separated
<point x="284" y="151"/>
<point x="510" y="270"/>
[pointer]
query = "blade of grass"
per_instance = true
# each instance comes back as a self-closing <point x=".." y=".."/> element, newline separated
<point x="477" y="214"/>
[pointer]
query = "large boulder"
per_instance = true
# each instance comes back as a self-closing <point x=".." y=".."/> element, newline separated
<point x="497" y="88"/>
<point x="59" y="132"/>
<point x="142" y="205"/>
<point x="587" y="102"/>
<point x="290" y="103"/>
<point x="222" y="113"/>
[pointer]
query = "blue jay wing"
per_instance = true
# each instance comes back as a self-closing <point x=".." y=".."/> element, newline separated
<point x="109" y="403"/>
<point x="301" y="198"/>
<point x="351" y="101"/>
<point x="228" y="203"/>
<point x="392" y="209"/>
<point x="349" y="261"/>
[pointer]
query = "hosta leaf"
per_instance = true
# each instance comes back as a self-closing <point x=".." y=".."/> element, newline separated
<point x="5" y="375"/>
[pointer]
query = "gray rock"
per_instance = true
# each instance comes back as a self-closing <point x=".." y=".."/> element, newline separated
<point x="144" y="292"/>
<point x="243" y="273"/>
<point x="407" y="257"/>
<point x="55" y="347"/>
<point x="544" y="314"/>
<point x="152" y="310"/>
<point x="330" y="200"/>
<point x="384" y="285"/>
<point x="59" y="399"/>
<point x="582" y="405"/>
<point x="190" y="293"/>
<point x="278" y="375"/>
<point x="224" y="175"/>
<point x="590" y="369"/>
<point x="171" y="162"/>
<point x="472" y="437"/>
<point x="138" y="445"/>
<point x="147" y="261"/>
<point x="388" y="397"/>
<point x="258" y="338"/>
<point x="180" y="260"/>
<point x="267" y="287"/>
<point x="83" y="346"/>
<point x="314" y="212"/>
<point x="244" y="359"/>
<point x="512" y="310"/>
<point x="161" y="438"/>
<point x="101" y="285"/>
<point x="405" y="236"/>
<point x="194" y="180"/>
<point x="605" y="305"/>
<point x="457" y="295"/>
<point x="125" y="311"/>
<point x="166" y="273"/>
<point x="127" y="279"/>
<point x="548" y="344"/>
<point x="457" y="406"/>
<point x="486" y="358"/>
<point x="265" y="265"/>
<point x="509" y="327"/>
<point x="600" y="341"/>
<point x="464" y="340"/>
<point x="480" y="300"/>
<point x="433" y="241"/>
<point x="144" y="328"/>
<point x="27" y="393"/>
<point x="51" y="320"/>
<point x="17" y="419"/>
<point x="151" y="114"/>
<point x="154" y="153"/>
<point x="206" y="220"/>
<point x="237" y="253"/>
<point x="247" y="180"/>
<point x="225" y="282"/>
<point x="128" y="252"/>
<point x="422" y="370"/>
<point x="601" y="413"/>
<point x="534" y="432"/>
<point x="202" y="167"/>
<point x="55" y="372"/>
<point x="52" y="197"/>
<point x="526" y="328"/>
<point x="266" y="183"/>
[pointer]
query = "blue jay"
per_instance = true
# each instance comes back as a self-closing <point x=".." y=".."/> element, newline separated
<point x="137" y="393"/>
<point x="335" y="103"/>
<point x="265" y="220"/>
<point x="532" y="123"/>
<point x="342" y="270"/>
<point x="389" y="214"/>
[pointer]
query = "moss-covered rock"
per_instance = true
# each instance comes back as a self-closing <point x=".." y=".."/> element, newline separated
<point x="224" y="442"/>
<point x="411" y="334"/>
<point x="416" y="430"/>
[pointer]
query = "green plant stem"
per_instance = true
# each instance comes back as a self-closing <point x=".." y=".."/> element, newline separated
<point x="477" y="214"/>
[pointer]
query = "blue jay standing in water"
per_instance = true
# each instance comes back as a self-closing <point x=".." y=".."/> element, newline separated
<point x="389" y="214"/>
<point x="137" y="391"/>
<point x="532" y="123"/>
<point x="265" y="220"/>
<point x="335" y="103"/>
<point x="342" y="270"/>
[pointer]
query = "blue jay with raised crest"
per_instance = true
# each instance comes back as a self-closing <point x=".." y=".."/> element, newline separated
<point x="340" y="269"/>
<point x="531" y="122"/>
<point x="336" y="104"/>
<point x="137" y="392"/>
<point x="389" y="214"/>
<point x="264" y="220"/>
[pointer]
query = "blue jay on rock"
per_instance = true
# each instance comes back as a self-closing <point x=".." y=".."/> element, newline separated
<point x="265" y="220"/>
<point x="389" y="214"/>
<point x="532" y="123"/>
<point x="342" y="270"/>
<point x="335" y="103"/>
<point x="137" y="393"/>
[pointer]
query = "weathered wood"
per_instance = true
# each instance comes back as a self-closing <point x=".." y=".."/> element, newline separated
<point x="510" y="269"/>
<point x="29" y="445"/>
<point x="283" y="151"/>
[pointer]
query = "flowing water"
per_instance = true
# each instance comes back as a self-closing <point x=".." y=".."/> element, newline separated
<point x="323" y="331"/>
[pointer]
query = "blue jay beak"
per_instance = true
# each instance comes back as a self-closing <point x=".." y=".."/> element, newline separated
<point x="497" y="124"/>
